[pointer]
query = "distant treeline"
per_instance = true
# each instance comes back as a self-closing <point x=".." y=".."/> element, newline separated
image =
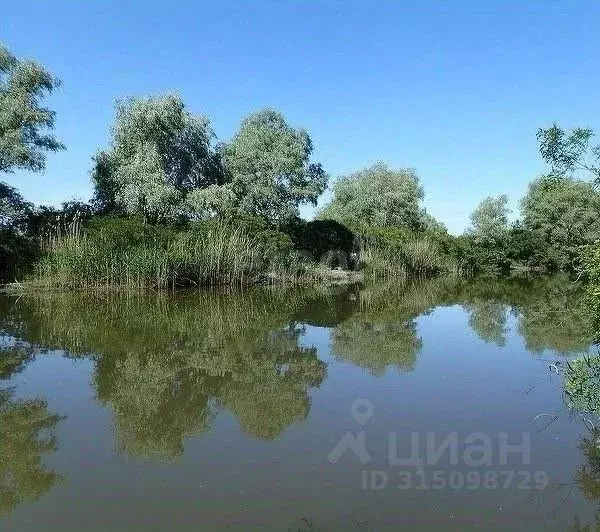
<point x="174" y="207"/>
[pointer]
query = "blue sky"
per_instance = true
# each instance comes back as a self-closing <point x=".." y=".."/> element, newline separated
<point x="454" y="89"/>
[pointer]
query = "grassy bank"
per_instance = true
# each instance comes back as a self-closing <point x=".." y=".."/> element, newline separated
<point x="134" y="255"/>
<point x="127" y="253"/>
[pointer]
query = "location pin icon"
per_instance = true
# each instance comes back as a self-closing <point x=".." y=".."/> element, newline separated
<point x="362" y="410"/>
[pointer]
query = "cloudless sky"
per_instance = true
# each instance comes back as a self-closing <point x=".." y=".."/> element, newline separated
<point x="455" y="89"/>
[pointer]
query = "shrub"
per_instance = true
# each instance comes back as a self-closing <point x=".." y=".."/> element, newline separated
<point x="582" y="384"/>
<point x="320" y="236"/>
<point x="271" y="239"/>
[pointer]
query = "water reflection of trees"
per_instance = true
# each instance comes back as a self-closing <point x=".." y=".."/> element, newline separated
<point x="487" y="319"/>
<point x="587" y="479"/>
<point x="382" y="333"/>
<point x="161" y="398"/>
<point x="14" y="359"/>
<point x="27" y="433"/>
<point x="557" y="319"/>
<point x="167" y="364"/>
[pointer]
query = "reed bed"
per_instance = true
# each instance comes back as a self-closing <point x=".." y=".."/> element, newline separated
<point x="415" y="258"/>
<point x="217" y="255"/>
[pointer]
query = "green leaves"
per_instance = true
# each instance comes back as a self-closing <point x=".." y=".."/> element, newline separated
<point x="268" y="164"/>
<point x="159" y="153"/>
<point x="377" y="196"/>
<point x="23" y="121"/>
<point x="489" y="221"/>
<point x="568" y="154"/>
<point x="564" y="214"/>
<point x="161" y="165"/>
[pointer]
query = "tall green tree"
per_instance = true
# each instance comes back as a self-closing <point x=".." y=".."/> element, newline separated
<point x="563" y="214"/>
<point x="269" y="169"/>
<point x="25" y="124"/>
<point x="159" y="153"/>
<point x="489" y="221"/>
<point x="15" y="248"/>
<point x="25" y="138"/>
<point x="570" y="154"/>
<point x="377" y="196"/>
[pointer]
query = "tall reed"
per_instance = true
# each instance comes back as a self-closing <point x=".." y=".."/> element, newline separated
<point x="416" y="257"/>
<point x="217" y="255"/>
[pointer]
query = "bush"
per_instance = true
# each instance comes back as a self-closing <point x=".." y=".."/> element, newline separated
<point x="118" y="233"/>
<point x="582" y="384"/>
<point x="17" y="253"/>
<point x="320" y="236"/>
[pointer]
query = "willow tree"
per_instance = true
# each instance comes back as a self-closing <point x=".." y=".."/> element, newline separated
<point x="489" y="221"/>
<point x="25" y="138"/>
<point x="377" y="196"/>
<point x="269" y="169"/>
<point x="25" y="124"/>
<point x="564" y="214"/>
<point x="570" y="154"/>
<point x="159" y="153"/>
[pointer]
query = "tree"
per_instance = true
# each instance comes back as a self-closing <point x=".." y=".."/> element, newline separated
<point x="489" y="221"/>
<point x="23" y="121"/>
<point x="13" y="208"/>
<point x="15" y="247"/>
<point x="269" y="168"/>
<point x="377" y="197"/>
<point x="159" y="154"/>
<point x="564" y="214"/>
<point x="568" y="154"/>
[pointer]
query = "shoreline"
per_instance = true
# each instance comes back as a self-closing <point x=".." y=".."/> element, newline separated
<point x="332" y="277"/>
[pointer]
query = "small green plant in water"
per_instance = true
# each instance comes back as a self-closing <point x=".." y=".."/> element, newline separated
<point x="582" y="384"/>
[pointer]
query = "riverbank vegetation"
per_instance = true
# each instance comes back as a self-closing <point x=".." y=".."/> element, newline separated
<point x="174" y="207"/>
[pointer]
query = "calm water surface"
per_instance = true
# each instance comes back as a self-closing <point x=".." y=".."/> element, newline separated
<point x="293" y="410"/>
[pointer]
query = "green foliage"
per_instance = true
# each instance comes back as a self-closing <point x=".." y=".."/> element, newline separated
<point x="272" y="240"/>
<point x="569" y="154"/>
<point x="161" y="166"/>
<point x="391" y="251"/>
<point x="489" y="221"/>
<point x="319" y="236"/>
<point x="117" y="234"/>
<point x="159" y="153"/>
<point x="16" y="249"/>
<point x="269" y="170"/>
<point x="24" y="141"/>
<point x="377" y="197"/>
<point x="564" y="215"/>
<point x="127" y="252"/>
<point x="24" y="122"/>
